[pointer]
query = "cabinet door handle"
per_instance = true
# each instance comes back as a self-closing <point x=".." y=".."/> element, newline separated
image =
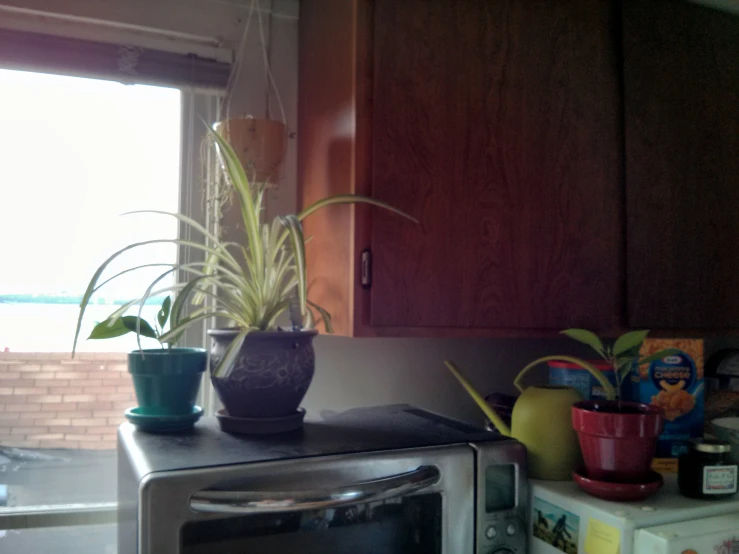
<point x="259" y="502"/>
<point x="366" y="275"/>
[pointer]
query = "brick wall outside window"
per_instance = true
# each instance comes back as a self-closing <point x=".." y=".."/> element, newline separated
<point x="48" y="400"/>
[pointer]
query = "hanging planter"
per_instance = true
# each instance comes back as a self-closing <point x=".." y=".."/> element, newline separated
<point x="259" y="144"/>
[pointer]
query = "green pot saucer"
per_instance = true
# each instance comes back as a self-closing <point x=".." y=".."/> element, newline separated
<point x="163" y="423"/>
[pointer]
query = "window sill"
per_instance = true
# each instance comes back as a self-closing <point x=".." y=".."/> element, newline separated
<point x="32" y="517"/>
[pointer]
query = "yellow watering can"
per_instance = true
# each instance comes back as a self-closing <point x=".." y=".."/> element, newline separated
<point x="542" y="420"/>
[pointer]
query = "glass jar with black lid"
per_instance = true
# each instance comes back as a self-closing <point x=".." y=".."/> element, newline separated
<point x="706" y="471"/>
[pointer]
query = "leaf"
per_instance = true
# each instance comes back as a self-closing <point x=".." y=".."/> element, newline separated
<point x="131" y="321"/>
<point x="625" y="365"/>
<point x="143" y="302"/>
<point x="180" y="299"/>
<point x="270" y="317"/>
<point x="351" y="199"/>
<point x="176" y="331"/>
<point x="324" y="315"/>
<point x="220" y="246"/>
<point x="108" y="330"/>
<point x="310" y="319"/>
<point x="586" y="337"/>
<point x="163" y="314"/>
<point x="629" y="340"/>
<point x="130" y="269"/>
<point x="93" y="281"/>
<point x="659" y="355"/>
<point x="99" y="271"/>
<point x="125" y="307"/>
<point x="148" y="292"/>
<point x="224" y="367"/>
<point x="292" y="224"/>
<point x="237" y="176"/>
<point x="173" y="338"/>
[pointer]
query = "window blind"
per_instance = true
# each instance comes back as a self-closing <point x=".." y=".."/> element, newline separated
<point x="120" y="62"/>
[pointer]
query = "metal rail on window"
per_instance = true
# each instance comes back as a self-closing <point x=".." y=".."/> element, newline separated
<point x="32" y="517"/>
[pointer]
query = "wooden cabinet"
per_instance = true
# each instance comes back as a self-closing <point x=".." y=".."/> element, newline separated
<point x="497" y="123"/>
<point x="681" y="91"/>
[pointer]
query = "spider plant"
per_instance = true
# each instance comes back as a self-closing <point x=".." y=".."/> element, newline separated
<point x="250" y="285"/>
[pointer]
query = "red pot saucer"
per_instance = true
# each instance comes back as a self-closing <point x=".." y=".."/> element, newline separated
<point x="619" y="492"/>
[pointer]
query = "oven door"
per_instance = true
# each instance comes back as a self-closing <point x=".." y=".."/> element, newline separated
<point x="418" y="501"/>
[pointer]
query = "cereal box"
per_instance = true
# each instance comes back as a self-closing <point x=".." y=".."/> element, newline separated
<point x="674" y="383"/>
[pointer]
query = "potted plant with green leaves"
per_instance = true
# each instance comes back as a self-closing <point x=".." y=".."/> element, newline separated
<point x="617" y="438"/>
<point x="167" y="379"/>
<point x="259" y="370"/>
<point x="262" y="372"/>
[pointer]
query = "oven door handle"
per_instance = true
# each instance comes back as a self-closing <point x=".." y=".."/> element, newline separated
<point x="261" y="502"/>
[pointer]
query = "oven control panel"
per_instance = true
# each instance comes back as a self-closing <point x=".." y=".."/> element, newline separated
<point x="501" y="498"/>
<point x="503" y="535"/>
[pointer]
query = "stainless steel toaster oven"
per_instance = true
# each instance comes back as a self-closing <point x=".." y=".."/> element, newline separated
<point x="392" y="479"/>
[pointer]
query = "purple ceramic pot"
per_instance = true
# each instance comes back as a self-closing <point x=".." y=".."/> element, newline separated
<point x="270" y="375"/>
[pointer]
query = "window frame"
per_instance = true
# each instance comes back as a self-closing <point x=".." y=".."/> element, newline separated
<point x="197" y="164"/>
<point x="57" y="515"/>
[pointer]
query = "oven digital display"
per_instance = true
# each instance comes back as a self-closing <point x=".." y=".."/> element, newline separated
<point x="500" y="487"/>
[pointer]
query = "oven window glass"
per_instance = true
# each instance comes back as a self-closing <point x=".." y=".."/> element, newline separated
<point x="500" y="487"/>
<point x="408" y="525"/>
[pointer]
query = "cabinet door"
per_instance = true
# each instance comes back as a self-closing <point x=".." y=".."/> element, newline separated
<point x="497" y="124"/>
<point x="681" y="70"/>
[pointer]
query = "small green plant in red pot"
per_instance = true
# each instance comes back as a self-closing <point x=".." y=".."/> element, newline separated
<point x="617" y="438"/>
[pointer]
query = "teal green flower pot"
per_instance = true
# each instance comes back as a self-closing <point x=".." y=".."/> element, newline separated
<point x="166" y="381"/>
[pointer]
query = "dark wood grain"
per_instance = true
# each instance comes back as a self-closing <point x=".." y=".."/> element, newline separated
<point x="497" y="123"/>
<point x="682" y="157"/>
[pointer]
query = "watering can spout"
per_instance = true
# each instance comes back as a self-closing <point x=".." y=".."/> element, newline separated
<point x="488" y="410"/>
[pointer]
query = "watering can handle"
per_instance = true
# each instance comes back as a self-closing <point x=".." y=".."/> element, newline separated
<point x="607" y="387"/>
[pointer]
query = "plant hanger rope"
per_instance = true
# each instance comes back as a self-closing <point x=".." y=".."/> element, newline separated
<point x="266" y="58"/>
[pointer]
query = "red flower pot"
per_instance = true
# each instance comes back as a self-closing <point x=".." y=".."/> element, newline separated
<point x="617" y="439"/>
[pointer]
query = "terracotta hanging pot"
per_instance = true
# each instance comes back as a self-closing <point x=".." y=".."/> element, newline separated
<point x="259" y="143"/>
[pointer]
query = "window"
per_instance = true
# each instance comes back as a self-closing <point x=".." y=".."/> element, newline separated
<point x="77" y="154"/>
<point x="74" y="154"/>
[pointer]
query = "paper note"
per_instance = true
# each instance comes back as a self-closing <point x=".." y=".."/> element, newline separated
<point x="601" y="538"/>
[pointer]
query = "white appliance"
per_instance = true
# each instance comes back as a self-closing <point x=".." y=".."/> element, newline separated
<point x="564" y="519"/>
